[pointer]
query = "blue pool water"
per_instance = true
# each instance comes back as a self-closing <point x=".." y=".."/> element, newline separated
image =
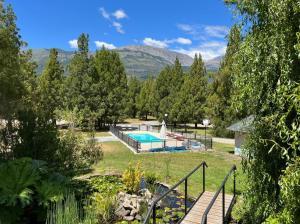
<point x="144" y="138"/>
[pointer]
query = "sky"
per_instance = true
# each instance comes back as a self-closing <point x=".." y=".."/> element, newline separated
<point x="190" y="26"/>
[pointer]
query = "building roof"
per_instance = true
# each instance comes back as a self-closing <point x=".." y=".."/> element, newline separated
<point x="243" y="125"/>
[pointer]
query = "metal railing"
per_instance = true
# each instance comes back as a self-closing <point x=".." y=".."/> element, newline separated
<point x="152" y="209"/>
<point x="222" y="188"/>
<point x="124" y="137"/>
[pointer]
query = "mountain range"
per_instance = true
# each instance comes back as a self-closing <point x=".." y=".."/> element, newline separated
<point x="139" y="61"/>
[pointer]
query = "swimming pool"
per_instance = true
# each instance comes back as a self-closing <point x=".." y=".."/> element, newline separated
<point x="144" y="138"/>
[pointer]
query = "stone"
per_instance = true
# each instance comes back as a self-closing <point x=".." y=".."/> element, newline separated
<point x="128" y="218"/>
<point x="138" y="217"/>
<point x="122" y="212"/>
<point x="127" y="204"/>
<point x="133" y="202"/>
<point x="133" y="212"/>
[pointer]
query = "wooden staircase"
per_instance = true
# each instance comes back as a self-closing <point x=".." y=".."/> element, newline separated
<point x="195" y="215"/>
<point x="209" y="207"/>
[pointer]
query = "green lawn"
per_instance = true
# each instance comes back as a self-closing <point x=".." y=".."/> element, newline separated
<point x="97" y="134"/>
<point x="117" y="156"/>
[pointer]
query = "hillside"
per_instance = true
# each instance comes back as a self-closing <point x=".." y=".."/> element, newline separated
<point x="139" y="61"/>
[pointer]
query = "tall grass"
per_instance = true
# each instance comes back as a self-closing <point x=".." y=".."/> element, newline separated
<point x="69" y="211"/>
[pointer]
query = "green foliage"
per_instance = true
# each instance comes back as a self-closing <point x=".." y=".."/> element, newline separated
<point x="110" y="83"/>
<point x="190" y="102"/>
<point x="109" y="185"/>
<point x="51" y="85"/>
<point x="27" y="183"/>
<point x="11" y="86"/>
<point x="134" y="87"/>
<point x="69" y="211"/>
<point x="220" y="105"/>
<point x="151" y="179"/>
<point x="132" y="177"/>
<point x="290" y="196"/>
<point x="104" y="206"/>
<point x="168" y="84"/>
<point x="75" y="152"/>
<point x="146" y="100"/>
<point x="266" y="82"/>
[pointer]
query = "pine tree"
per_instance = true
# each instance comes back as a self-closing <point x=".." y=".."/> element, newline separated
<point x="169" y="83"/>
<point x="198" y="90"/>
<point x="11" y="86"/>
<point x="146" y="100"/>
<point x="220" y="109"/>
<point x="51" y="84"/>
<point x="134" y="87"/>
<point x="78" y="81"/>
<point x="112" y="86"/>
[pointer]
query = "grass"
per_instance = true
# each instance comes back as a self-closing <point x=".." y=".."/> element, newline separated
<point x="117" y="156"/>
<point x="97" y="134"/>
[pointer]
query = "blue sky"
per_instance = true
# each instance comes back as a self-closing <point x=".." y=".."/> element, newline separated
<point x="189" y="26"/>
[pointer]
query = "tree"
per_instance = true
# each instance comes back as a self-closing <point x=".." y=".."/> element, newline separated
<point x="146" y="100"/>
<point x="169" y="82"/>
<point x="111" y="79"/>
<point x="51" y="85"/>
<point x="78" y="81"/>
<point x="266" y="82"/>
<point x="220" y="106"/>
<point x="198" y="90"/>
<point x="11" y="86"/>
<point x="134" y="87"/>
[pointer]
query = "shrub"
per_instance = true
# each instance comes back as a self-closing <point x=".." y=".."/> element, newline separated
<point x="104" y="206"/>
<point x="75" y="152"/>
<point x="26" y="183"/>
<point x="151" y="179"/>
<point x="132" y="177"/>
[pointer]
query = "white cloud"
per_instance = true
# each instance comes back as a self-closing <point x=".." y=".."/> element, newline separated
<point x="165" y="43"/>
<point x="208" y="50"/>
<point x="186" y="28"/>
<point x="155" y="43"/>
<point x="119" y="14"/>
<point x="104" y="13"/>
<point x="216" y="31"/>
<point x="118" y="27"/>
<point x="182" y="40"/>
<point x="73" y="44"/>
<point x="100" y="44"/>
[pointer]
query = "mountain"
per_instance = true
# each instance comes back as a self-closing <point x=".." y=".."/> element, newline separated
<point x="213" y="64"/>
<point x="139" y="61"/>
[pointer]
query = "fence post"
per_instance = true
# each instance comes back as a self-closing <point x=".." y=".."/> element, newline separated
<point x="185" y="196"/>
<point x="223" y="203"/>
<point x="234" y="184"/>
<point x="154" y="214"/>
<point x="203" y="177"/>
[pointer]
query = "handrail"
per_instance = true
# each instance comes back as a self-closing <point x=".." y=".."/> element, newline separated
<point x="184" y="179"/>
<point x="222" y="188"/>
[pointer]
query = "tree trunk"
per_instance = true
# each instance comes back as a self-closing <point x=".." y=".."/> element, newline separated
<point x="196" y="125"/>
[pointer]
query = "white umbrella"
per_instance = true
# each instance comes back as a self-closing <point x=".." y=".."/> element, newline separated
<point x="163" y="130"/>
